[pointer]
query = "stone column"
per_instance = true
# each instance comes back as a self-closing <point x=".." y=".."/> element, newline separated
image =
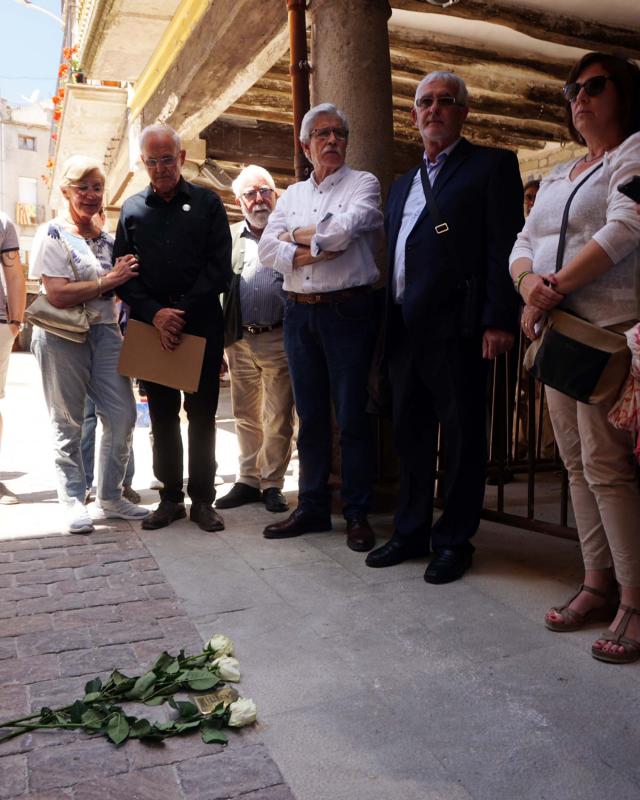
<point x="352" y="69"/>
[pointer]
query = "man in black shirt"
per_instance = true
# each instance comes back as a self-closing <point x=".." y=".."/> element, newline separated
<point x="180" y="234"/>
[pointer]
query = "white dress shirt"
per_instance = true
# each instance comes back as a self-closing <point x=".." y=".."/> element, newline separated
<point x="345" y="208"/>
<point x="413" y="207"/>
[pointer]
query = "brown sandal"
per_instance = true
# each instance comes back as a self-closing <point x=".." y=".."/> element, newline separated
<point x="572" y="620"/>
<point x="631" y="646"/>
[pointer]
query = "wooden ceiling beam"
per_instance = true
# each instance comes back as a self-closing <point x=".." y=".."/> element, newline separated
<point x="539" y="24"/>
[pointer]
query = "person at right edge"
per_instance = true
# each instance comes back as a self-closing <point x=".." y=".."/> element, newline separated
<point x="450" y="309"/>
<point x="600" y="282"/>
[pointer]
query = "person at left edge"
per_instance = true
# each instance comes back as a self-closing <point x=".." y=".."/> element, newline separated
<point x="180" y="235"/>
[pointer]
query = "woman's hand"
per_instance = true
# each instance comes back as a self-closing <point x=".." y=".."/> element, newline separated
<point x="125" y="268"/>
<point x="535" y="292"/>
<point x="531" y="315"/>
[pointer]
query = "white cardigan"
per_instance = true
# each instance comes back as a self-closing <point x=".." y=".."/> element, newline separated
<point x="600" y="212"/>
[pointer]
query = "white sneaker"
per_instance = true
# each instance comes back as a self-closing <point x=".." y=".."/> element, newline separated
<point x="78" y="519"/>
<point x="121" y="509"/>
<point x="7" y="497"/>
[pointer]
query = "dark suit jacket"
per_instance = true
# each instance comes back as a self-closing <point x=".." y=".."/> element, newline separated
<point x="479" y="194"/>
<point x="231" y="299"/>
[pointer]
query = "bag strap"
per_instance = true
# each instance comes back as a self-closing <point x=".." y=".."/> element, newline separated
<point x="440" y="226"/>
<point x="65" y="244"/>
<point x="565" y="218"/>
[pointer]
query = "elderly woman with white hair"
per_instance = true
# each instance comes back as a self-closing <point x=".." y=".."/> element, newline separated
<point x="72" y="258"/>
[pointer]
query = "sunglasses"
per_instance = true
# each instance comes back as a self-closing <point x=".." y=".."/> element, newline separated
<point x="426" y="101"/>
<point x="592" y="86"/>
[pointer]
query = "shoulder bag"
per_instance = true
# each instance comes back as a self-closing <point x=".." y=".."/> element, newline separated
<point x="70" y="323"/>
<point x="575" y="357"/>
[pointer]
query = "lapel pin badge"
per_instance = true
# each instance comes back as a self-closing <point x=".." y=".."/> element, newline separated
<point x="186" y="207"/>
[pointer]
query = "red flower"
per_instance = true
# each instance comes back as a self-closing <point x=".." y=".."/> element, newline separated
<point x="54" y="136"/>
<point x="57" y="115"/>
<point x="61" y="91"/>
<point x="55" y="99"/>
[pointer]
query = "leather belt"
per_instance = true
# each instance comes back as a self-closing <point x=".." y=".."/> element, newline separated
<point x="256" y="329"/>
<point x="327" y="297"/>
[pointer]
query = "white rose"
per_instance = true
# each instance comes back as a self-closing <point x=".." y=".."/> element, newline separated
<point x="243" y="712"/>
<point x="220" y="645"/>
<point x="228" y="667"/>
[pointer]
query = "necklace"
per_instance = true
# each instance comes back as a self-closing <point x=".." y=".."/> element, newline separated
<point x="588" y="160"/>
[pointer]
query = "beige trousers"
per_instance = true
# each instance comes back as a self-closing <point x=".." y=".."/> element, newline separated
<point x="262" y="403"/>
<point x="604" y="486"/>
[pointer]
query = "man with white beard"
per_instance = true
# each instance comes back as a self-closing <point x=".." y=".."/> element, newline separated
<point x="261" y="394"/>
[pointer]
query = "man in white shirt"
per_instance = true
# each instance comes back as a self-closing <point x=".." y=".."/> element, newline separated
<point x="322" y="237"/>
<point x="12" y="302"/>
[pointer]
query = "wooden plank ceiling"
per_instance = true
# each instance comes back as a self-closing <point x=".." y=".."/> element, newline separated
<point x="515" y="95"/>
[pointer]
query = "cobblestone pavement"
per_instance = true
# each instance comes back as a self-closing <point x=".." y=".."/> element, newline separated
<point x="72" y="607"/>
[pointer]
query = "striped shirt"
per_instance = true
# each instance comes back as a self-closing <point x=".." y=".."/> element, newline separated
<point x="261" y="294"/>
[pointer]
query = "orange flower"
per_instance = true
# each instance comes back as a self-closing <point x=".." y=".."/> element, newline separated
<point x="61" y="91"/>
<point x="55" y="99"/>
<point x="50" y="163"/>
<point x="64" y="68"/>
<point x="57" y="115"/>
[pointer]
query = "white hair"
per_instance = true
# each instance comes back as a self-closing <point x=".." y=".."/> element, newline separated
<point x="75" y="168"/>
<point x="309" y="118"/>
<point x="461" y="93"/>
<point x="252" y="169"/>
<point x="161" y="130"/>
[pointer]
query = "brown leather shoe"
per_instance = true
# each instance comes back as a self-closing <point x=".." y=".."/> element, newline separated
<point x="205" y="517"/>
<point x="360" y="536"/>
<point x="166" y="513"/>
<point x="296" y="524"/>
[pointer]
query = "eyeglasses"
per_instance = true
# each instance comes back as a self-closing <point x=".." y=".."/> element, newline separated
<point x="166" y="161"/>
<point x="324" y="133"/>
<point x="264" y="192"/>
<point x="592" y="86"/>
<point x="83" y="188"/>
<point x="427" y="100"/>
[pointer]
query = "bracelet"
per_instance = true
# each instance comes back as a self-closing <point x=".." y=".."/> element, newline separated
<point x="293" y="235"/>
<point x="99" y="282"/>
<point x="15" y="322"/>
<point x="520" y="278"/>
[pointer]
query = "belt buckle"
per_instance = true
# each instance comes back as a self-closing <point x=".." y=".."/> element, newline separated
<point x="253" y="329"/>
<point x="442" y="228"/>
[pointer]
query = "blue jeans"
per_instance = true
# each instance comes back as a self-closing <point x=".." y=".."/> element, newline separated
<point x="329" y="347"/>
<point x="70" y="372"/>
<point x="88" y="446"/>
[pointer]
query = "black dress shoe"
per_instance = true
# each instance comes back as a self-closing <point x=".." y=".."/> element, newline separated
<point x="166" y="513"/>
<point x="395" y="551"/>
<point x="274" y="500"/>
<point x="205" y="517"/>
<point x="360" y="536"/>
<point x="296" y="524"/>
<point x="448" y="564"/>
<point x="239" y="495"/>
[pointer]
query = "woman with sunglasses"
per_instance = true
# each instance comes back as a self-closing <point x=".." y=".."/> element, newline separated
<point x="72" y="257"/>
<point x="600" y="282"/>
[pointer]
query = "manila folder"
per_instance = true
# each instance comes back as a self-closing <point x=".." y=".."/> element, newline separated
<point x="142" y="357"/>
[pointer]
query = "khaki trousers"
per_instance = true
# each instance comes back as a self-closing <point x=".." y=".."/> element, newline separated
<point x="604" y="486"/>
<point x="262" y="403"/>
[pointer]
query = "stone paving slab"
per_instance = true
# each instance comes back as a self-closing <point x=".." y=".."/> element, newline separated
<point x="74" y="607"/>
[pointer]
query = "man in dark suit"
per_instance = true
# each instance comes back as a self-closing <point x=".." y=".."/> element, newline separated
<point x="451" y="308"/>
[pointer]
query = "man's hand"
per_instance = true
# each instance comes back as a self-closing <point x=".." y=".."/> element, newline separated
<point x="303" y="257"/>
<point x="170" y="322"/>
<point x="495" y="342"/>
<point x="303" y="236"/>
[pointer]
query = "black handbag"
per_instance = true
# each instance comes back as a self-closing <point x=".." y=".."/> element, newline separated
<point x="579" y="359"/>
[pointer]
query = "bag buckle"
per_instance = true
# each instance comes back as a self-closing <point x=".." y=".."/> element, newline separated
<point x="441" y="228"/>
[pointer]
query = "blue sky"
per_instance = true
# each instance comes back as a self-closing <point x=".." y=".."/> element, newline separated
<point x="30" y="50"/>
